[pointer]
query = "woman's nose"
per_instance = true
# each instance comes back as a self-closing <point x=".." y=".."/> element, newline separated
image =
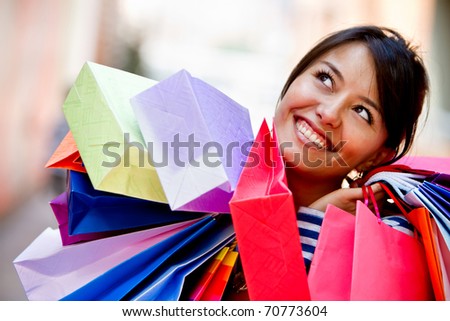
<point x="330" y="113"/>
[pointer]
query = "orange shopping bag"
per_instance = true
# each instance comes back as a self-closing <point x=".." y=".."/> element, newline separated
<point x="67" y="156"/>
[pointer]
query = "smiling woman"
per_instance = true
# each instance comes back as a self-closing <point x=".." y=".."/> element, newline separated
<point x="351" y="104"/>
<point x="327" y="105"/>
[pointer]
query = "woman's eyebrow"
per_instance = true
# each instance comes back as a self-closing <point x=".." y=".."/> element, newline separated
<point x="371" y="103"/>
<point x="334" y="68"/>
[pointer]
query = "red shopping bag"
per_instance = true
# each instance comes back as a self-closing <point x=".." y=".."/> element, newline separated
<point x="263" y="213"/>
<point x="422" y="221"/>
<point x="387" y="264"/>
<point x="330" y="273"/>
<point x="362" y="258"/>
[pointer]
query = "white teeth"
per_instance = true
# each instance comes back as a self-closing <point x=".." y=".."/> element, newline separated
<point x="310" y="134"/>
<point x="319" y="143"/>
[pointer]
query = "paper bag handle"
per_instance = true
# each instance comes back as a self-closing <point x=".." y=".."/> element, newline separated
<point x="368" y="192"/>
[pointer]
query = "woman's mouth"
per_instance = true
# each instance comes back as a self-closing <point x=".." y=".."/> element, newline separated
<point x="309" y="136"/>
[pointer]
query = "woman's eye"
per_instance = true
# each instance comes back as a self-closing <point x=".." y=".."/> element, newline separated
<point x="364" y="113"/>
<point x="326" y="80"/>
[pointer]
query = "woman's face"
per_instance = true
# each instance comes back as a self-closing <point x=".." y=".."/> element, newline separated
<point x="329" y="121"/>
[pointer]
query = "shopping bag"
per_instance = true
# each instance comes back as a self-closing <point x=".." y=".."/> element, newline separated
<point x="414" y="190"/>
<point x="67" y="156"/>
<point x="208" y="275"/>
<point x="400" y="178"/>
<point x="387" y="264"/>
<point x="330" y="273"/>
<point x="167" y="284"/>
<point x="91" y="210"/>
<point x="197" y="135"/>
<point x="264" y="218"/>
<point x="157" y="273"/>
<point x="421" y="196"/>
<point x="361" y="258"/>
<point x="429" y="199"/>
<point x="212" y="283"/>
<point x="421" y="218"/>
<point x="60" y="209"/>
<point x="442" y="180"/>
<point x="106" y="132"/>
<point x="440" y="197"/>
<point x="419" y="188"/>
<point x="50" y="271"/>
<point x="444" y="258"/>
<point x="216" y="288"/>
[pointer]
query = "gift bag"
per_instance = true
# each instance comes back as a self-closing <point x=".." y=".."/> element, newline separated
<point x="93" y="211"/>
<point x="216" y="288"/>
<point x="444" y="258"/>
<point x="67" y="156"/>
<point x="330" y="273"/>
<point x="361" y="258"/>
<point x="442" y="180"/>
<point x="419" y="188"/>
<point x="50" y="271"/>
<point x="401" y="179"/>
<point x="424" y="225"/>
<point x="197" y="134"/>
<point x="106" y="132"/>
<point x="61" y="211"/>
<point x="440" y="197"/>
<point x="208" y="275"/>
<point x="264" y="218"/>
<point x="421" y="220"/>
<point x="429" y="198"/>
<point x="436" y="205"/>
<point x="213" y="281"/>
<point x="387" y="264"/>
<point x="158" y="272"/>
<point x="167" y="284"/>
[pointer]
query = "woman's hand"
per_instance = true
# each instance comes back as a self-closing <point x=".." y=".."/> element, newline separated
<point x="345" y="198"/>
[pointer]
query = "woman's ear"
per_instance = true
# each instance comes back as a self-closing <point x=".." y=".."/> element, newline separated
<point x="383" y="155"/>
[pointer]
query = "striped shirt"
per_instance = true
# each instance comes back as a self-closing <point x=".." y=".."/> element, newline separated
<point x="309" y="222"/>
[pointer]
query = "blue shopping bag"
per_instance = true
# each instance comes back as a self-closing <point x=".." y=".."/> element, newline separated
<point x="440" y="197"/>
<point x="91" y="210"/>
<point x="143" y="273"/>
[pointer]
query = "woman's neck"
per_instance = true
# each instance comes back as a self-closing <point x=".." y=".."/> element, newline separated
<point x="306" y="190"/>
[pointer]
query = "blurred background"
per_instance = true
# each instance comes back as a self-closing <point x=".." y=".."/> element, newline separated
<point x="244" y="48"/>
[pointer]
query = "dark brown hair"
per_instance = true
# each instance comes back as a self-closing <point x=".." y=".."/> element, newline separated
<point x="402" y="80"/>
